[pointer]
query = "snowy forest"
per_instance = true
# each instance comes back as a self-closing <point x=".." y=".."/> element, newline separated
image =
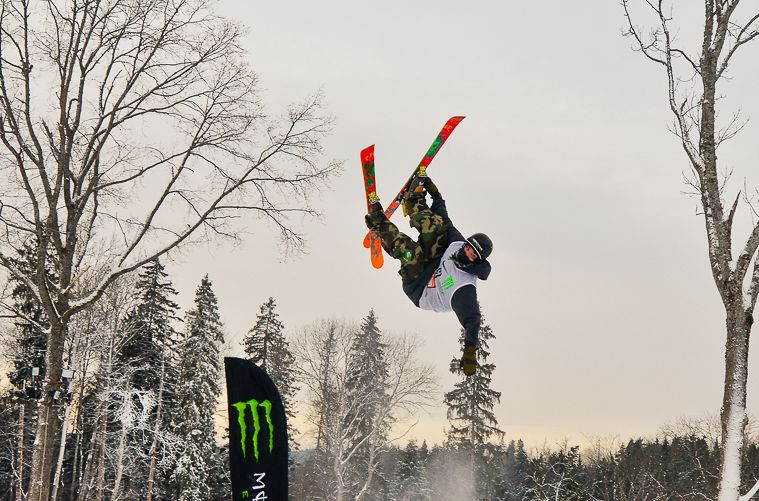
<point x="142" y="388"/>
<point x="136" y="132"/>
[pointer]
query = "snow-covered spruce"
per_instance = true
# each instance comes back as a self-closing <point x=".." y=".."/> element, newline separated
<point x="199" y="373"/>
<point x="266" y="345"/>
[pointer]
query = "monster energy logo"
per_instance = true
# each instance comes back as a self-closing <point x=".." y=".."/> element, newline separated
<point x="259" y="486"/>
<point x="253" y="405"/>
<point x="447" y="283"/>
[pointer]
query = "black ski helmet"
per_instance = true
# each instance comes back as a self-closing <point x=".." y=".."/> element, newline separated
<point x="481" y="244"/>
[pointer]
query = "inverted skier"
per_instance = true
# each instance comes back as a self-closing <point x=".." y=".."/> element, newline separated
<point x="439" y="271"/>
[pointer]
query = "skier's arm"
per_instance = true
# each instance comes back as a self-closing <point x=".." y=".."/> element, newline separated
<point x="439" y="208"/>
<point x="464" y="304"/>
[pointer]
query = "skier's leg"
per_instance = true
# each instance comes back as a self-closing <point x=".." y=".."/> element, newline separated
<point x="397" y="244"/>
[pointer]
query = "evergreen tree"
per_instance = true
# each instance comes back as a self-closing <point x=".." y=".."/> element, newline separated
<point x="509" y="464"/>
<point x="27" y="343"/>
<point x="408" y="462"/>
<point x="8" y="418"/>
<point x="266" y="346"/>
<point x="219" y="475"/>
<point x="424" y="453"/>
<point x="494" y="471"/>
<point x="261" y="338"/>
<point x="561" y="476"/>
<point x="470" y="410"/>
<point x="470" y="404"/>
<point x="148" y="354"/>
<point x="411" y="475"/>
<point x="367" y="374"/>
<point x="150" y="338"/>
<point x="200" y="373"/>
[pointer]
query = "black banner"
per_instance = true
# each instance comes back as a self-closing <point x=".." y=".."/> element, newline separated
<point x="257" y="433"/>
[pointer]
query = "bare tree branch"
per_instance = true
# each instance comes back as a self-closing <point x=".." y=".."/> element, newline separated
<point x="155" y="136"/>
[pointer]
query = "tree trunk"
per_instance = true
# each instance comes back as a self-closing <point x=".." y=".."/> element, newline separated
<point x="87" y="469"/>
<point x="339" y="486"/>
<point x="100" y="486"/>
<point x="78" y="460"/>
<point x="156" y="430"/>
<point x="20" y="455"/>
<point x="61" y="452"/>
<point x="733" y="415"/>
<point x="103" y="437"/>
<point x="119" y="464"/>
<point x="48" y="420"/>
<point x="371" y="466"/>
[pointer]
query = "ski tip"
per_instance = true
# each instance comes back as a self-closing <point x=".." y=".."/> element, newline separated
<point x="367" y="155"/>
<point x="376" y="252"/>
<point x="378" y="261"/>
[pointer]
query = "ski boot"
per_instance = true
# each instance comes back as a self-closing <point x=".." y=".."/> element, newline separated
<point x="376" y="213"/>
<point x="416" y="188"/>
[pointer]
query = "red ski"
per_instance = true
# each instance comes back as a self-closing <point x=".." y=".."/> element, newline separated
<point x="371" y="241"/>
<point x="370" y="186"/>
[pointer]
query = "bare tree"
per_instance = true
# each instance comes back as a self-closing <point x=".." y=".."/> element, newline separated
<point x="133" y="415"/>
<point x="107" y="340"/>
<point x="130" y="128"/>
<point x="323" y="354"/>
<point x="94" y="336"/>
<point x="692" y="80"/>
<point x="557" y="475"/>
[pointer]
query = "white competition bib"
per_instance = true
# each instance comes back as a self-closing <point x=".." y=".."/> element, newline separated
<point x="446" y="280"/>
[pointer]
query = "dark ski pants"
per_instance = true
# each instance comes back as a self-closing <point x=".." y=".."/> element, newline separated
<point x="413" y="255"/>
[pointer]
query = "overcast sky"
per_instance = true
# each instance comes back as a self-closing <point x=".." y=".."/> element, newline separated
<point x="601" y="298"/>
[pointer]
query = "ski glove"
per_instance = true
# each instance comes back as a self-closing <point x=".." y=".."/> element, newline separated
<point x="468" y="361"/>
<point x="431" y="188"/>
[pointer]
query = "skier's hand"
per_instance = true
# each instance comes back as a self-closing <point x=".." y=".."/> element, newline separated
<point x="431" y="188"/>
<point x="468" y="362"/>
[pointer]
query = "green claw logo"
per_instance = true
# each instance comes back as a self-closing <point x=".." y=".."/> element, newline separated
<point x="253" y="405"/>
<point x="435" y="145"/>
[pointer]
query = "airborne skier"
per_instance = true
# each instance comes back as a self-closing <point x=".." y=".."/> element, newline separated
<point x="440" y="270"/>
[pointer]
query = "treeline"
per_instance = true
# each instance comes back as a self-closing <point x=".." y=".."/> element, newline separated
<point x="682" y="467"/>
<point x="139" y="403"/>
